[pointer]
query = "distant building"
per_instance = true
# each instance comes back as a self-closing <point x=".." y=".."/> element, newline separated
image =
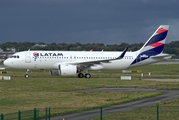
<point x="37" y="45"/>
<point x="5" y="55"/>
<point x="1" y="50"/>
<point x="11" y="49"/>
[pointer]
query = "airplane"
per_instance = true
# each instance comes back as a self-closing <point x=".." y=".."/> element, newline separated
<point x="71" y="63"/>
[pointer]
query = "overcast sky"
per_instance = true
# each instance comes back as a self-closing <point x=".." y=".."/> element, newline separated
<point x="86" y="21"/>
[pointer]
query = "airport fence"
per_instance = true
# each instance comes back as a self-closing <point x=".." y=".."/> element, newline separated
<point x="148" y="113"/>
<point x="34" y="114"/>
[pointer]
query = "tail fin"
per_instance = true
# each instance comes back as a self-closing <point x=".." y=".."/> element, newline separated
<point x="156" y="42"/>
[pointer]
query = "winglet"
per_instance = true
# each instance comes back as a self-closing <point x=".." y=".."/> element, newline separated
<point x="123" y="53"/>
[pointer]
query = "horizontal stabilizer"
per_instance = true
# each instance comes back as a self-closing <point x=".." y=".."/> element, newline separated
<point x="162" y="56"/>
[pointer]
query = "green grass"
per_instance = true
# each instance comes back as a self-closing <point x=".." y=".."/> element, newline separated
<point x="167" y="111"/>
<point x="24" y="94"/>
<point x="42" y="90"/>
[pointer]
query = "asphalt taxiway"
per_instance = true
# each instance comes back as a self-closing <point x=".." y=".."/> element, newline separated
<point x="166" y="95"/>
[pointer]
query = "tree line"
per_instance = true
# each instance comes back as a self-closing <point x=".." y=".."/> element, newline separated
<point x="170" y="48"/>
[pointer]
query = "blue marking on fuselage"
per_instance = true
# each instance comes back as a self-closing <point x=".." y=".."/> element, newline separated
<point x="146" y="54"/>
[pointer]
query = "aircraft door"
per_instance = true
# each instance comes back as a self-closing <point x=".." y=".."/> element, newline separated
<point x="27" y="57"/>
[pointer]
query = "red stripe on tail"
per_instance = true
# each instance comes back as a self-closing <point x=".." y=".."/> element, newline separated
<point x="161" y="30"/>
<point x="156" y="44"/>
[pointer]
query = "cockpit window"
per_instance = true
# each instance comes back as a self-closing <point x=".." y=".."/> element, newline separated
<point x="14" y="56"/>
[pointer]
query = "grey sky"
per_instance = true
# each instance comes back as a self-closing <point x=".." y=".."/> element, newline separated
<point x="86" y="21"/>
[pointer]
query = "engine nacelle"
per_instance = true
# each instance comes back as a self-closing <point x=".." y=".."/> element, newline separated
<point x="64" y="70"/>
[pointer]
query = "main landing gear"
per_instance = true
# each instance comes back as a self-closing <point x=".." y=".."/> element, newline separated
<point x="81" y="75"/>
<point x="27" y="73"/>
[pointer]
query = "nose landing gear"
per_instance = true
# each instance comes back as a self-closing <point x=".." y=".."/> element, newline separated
<point x="27" y="73"/>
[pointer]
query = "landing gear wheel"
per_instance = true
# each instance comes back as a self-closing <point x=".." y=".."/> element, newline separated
<point x="80" y="75"/>
<point x="26" y="75"/>
<point x="87" y="75"/>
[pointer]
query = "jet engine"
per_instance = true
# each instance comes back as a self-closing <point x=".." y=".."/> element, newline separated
<point x="64" y="70"/>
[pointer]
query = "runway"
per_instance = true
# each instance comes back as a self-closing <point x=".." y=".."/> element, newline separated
<point x="86" y="115"/>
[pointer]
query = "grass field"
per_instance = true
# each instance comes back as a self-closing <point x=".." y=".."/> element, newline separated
<point x="42" y="90"/>
<point x="167" y="111"/>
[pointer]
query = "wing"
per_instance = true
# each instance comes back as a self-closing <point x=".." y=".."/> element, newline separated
<point x="91" y="63"/>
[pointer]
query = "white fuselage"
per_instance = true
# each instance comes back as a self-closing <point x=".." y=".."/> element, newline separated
<point x="67" y="63"/>
<point x="49" y="59"/>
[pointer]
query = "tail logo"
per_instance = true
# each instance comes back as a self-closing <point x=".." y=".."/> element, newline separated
<point x="157" y="44"/>
<point x="144" y="56"/>
<point x="154" y="45"/>
<point x="161" y="30"/>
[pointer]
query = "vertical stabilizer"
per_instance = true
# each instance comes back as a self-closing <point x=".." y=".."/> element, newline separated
<point x="156" y="42"/>
<point x="154" y="45"/>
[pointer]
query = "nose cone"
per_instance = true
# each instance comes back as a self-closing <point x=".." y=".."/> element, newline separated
<point x="6" y="63"/>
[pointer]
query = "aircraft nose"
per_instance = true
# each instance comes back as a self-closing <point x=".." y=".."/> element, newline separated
<point x="6" y="63"/>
